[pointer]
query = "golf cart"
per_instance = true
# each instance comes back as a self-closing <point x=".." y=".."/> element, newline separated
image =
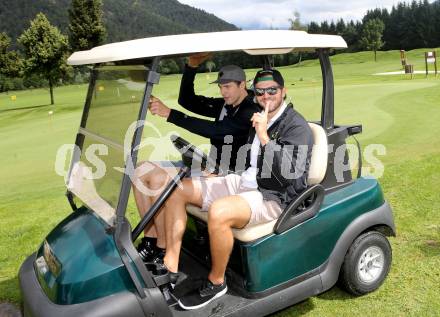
<point x="88" y="265"/>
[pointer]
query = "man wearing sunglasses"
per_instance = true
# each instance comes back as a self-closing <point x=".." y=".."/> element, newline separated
<point x="280" y="150"/>
<point x="227" y="133"/>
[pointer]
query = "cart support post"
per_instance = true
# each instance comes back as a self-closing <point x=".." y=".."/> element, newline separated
<point x="327" y="113"/>
<point x="152" y="79"/>
<point x="125" y="246"/>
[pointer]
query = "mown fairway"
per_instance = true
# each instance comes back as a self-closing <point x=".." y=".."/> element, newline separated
<point x="400" y="113"/>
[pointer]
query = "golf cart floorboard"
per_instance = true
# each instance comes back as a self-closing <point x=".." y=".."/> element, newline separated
<point x="193" y="273"/>
<point x="227" y="305"/>
<point x="233" y="303"/>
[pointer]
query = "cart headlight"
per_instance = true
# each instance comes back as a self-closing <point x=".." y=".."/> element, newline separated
<point x="51" y="262"/>
<point x="41" y="265"/>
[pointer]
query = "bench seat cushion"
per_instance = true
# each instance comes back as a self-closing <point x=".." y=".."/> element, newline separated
<point x="249" y="233"/>
<point x="318" y="168"/>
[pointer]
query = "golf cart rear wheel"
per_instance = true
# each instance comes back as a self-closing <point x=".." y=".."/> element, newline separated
<point x="366" y="264"/>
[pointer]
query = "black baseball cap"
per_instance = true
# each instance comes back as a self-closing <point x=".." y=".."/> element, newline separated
<point x="230" y="73"/>
<point x="269" y="74"/>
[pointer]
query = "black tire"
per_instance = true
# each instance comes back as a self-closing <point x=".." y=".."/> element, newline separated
<point x="360" y="273"/>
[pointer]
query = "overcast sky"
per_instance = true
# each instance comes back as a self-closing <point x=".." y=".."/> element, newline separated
<point x="261" y="14"/>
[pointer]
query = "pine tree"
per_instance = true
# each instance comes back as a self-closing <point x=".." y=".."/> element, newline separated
<point x="45" y="49"/>
<point x="332" y="28"/>
<point x="86" y="29"/>
<point x="436" y="20"/>
<point x="395" y="33"/>
<point x="340" y="27"/>
<point x="425" y="24"/>
<point x="313" y="28"/>
<point x="351" y="36"/>
<point x="325" y="28"/>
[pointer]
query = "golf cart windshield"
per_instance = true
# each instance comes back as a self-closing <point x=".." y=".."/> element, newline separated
<point x="104" y="137"/>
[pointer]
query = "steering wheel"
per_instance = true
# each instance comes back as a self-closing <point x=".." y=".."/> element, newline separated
<point x="191" y="155"/>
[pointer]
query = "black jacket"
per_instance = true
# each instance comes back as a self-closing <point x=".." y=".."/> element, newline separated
<point x="235" y="123"/>
<point x="283" y="163"/>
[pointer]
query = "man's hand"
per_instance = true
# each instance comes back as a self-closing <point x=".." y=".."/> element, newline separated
<point x="259" y="122"/>
<point x="196" y="59"/>
<point x="157" y="107"/>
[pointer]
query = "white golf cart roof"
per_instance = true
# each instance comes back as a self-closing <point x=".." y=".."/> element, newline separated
<point x="259" y="42"/>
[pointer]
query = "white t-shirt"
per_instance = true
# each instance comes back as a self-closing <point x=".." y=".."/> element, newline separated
<point x="249" y="176"/>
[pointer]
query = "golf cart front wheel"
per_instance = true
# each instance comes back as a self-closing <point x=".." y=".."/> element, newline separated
<point x="366" y="264"/>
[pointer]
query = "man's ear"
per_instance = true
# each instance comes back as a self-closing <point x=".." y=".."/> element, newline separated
<point x="284" y="92"/>
<point x="243" y="85"/>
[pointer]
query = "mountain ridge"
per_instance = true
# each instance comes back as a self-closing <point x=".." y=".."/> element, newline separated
<point x="124" y="20"/>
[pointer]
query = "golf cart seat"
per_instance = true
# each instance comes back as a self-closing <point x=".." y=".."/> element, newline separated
<point x="318" y="167"/>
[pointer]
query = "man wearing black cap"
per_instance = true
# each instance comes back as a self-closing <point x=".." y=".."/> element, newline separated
<point x="229" y="131"/>
<point x="232" y="112"/>
<point x="277" y="168"/>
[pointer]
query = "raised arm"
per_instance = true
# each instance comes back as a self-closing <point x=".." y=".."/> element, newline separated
<point x="202" y="127"/>
<point x="205" y="106"/>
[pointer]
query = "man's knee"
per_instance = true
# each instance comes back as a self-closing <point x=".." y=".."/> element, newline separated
<point x="230" y="211"/>
<point x="219" y="213"/>
<point x="143" y="170"/>
<point x="158" y="178"/>
<point x="180" y="193"/>
<point x="187" y="192"/>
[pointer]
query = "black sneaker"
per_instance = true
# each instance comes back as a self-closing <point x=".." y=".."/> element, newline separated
<point x="172" y="280"/>
<point x="161" y="269"/>
<point x="203" y="296"/>
<point x="146" y="247"/>
<point x="168" y="289"/>
<point x="156" y="257"/>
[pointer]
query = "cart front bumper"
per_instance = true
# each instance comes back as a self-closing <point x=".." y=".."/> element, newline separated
<point x="37" y="304"/>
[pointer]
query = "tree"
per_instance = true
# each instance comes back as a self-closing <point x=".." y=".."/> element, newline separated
<point x="372" y="35"/>
<point x="340" y="27"/>
<point x="10" y="62"/>
<point x="295" y="23"/>
<point x="325" y="28"/>
<point x="425" y="24"/>
<point x="86" y="29"/>
<point x="313" y="28"/>
<point x="436" y="14"/>
<point x="210" y="65"/>
<point x="45" y="49"/>
<point x="332" y="28"/>
<point x="10" y="65"/>
<point x="351" y="36"/>
<point x="168" y="66"/>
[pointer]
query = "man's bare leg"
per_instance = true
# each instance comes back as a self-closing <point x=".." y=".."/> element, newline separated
<point x="143" y="204"/>
<point x="223" y="215"/>
<point x="175" y="219"/>
<point x="153" y="179"/>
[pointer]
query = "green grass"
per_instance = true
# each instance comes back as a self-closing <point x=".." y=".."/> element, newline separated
<point x="400" y="113"/>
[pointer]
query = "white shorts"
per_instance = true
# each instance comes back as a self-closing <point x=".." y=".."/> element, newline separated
<point x="213" y="188"/>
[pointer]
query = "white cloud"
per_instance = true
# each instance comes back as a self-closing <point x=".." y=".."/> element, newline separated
<point x="248" y="13"/>
<point x="260" y="14"/>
